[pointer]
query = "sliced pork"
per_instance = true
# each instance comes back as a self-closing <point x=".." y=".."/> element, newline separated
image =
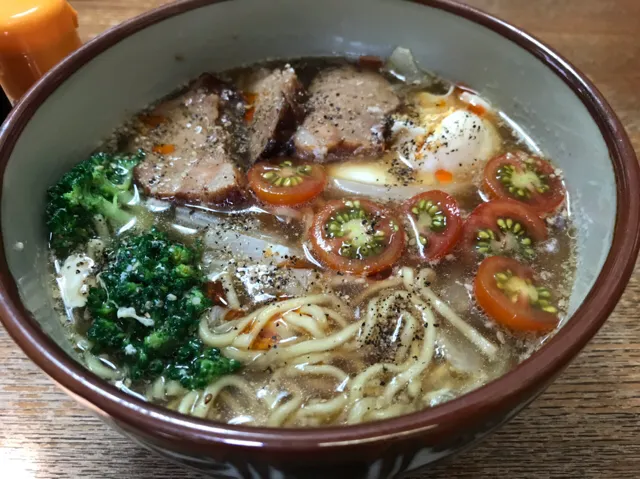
<point x="188" y="140"/>
<point x="348" y="111"/>
<point x="274" y="109"/>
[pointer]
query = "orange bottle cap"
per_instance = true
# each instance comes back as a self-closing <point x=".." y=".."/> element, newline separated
<point x="33" y="24"/>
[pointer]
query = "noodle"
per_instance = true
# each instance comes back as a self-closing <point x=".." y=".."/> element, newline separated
<point x="100" y="367"/>
<point x="162" y="388"/>
<point x="359" y="409"/>
<point x="375" y="288"/>
<point x="320" y="334"/>
<point x="428" y="345"/>
<point x="326" y="370"/>
<point x="306" y="323"/>
<point x="311" y="346"/>
<point x="485" y="346"/>
<point x="201" y="406"/>
<point x="329" y="408"/>
<point x="363" y="407"/>
<point x="280" y="415"/>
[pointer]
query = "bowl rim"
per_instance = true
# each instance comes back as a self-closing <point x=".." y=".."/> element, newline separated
<point x="506" y="393"/>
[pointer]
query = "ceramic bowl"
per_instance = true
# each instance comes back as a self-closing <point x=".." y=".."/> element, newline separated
<point x="78" y="104"/>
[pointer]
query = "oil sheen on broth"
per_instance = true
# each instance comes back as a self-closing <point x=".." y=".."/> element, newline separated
<point x="372" y="241"/>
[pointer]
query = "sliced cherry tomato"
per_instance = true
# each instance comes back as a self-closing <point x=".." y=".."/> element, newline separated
<point x="287" y="182"/>
<point x="356" y="237"/>
<point x="506" y="290"/>
<point x="503" y="227"/>
<point x="435" y="224"/>
<point x="524" y="178"/>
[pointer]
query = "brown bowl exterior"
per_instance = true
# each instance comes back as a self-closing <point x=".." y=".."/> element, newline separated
<point x="373" y="450"/>
<point x="382" y="459"/>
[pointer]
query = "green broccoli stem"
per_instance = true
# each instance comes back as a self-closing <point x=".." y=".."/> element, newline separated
<point x="140" y="218"/>
<point x="109" y="190"/>
<point x="125" y="197"/>
<point x="114" y="213"/>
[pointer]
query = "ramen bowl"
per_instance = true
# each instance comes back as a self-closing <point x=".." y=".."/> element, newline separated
<point x="68" y="113"/>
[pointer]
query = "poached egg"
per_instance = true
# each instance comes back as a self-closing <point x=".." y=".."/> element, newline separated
<point x="441" y="141"/>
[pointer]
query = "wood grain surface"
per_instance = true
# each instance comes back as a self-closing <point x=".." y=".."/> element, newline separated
<point x="587" y="425"/>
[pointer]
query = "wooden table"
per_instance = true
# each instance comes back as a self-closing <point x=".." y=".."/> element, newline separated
<point x="587" y="425"/>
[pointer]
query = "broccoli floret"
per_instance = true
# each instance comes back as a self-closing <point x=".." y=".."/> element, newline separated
<point x="106" y="335"/>
<point x="96" y="189"/>
<point x="146" y="311"/>
<point x="195" y="365"/>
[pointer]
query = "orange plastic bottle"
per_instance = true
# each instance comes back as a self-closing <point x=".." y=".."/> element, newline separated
<point x="34" y="36"/>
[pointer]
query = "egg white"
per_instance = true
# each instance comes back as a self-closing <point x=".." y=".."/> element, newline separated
<point x="444" y="135"/>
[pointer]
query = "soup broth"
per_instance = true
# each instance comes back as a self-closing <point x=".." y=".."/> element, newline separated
<point x="325" y="242"/>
